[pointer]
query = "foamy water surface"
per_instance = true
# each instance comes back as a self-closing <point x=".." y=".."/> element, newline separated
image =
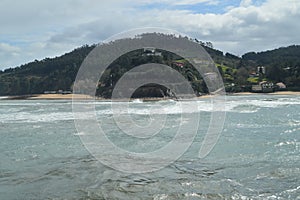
<point x="256" y="157"/>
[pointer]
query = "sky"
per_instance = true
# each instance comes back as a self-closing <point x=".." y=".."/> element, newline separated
<point x="35" y="29"/>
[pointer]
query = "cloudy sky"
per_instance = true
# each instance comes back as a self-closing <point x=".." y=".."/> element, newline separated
<point x="35" y="29"/>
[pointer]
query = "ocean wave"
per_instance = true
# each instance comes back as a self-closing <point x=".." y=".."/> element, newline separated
<point x="49" y="111"/>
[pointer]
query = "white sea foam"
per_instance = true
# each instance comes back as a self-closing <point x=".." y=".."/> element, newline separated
<point x="48" y="111"/>
<point x="80" y="133"/>
<point x="22" y="117"/>
<point x="293" y="143"/>
<point x="161" y="197"/>
<point x="137" y="101"/>
<point x="235" y="104"/>
<point x="192" y="195"/>
<point x="292" y="130"/>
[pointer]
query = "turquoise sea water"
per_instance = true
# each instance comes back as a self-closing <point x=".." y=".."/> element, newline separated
<point x="256" y="157"/>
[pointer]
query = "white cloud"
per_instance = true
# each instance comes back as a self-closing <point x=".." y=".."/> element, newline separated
<point x="246" y="3"/>
<point x="178" y="2"/>
<point x="193" y="2"/>
<point x="4" y="47"/>
<point x="8" y="52"/>
<point x="41" y="29"/>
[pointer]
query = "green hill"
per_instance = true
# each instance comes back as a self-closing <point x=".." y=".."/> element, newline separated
<point x="48" y="74"/>
<point x="282" y="64"/>
<point x="52" y="74"/>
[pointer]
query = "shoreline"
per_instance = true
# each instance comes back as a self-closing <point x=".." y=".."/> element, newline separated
<point x="85" y="97"/>
<point x="271" y="93"/>
<point x="46" y="97"/>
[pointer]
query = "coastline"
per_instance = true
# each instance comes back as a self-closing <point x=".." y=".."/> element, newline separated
<point x="46" y="97"/>
<point x="85" y="97"/>
<point x="271" y="93"/>
<point x="59" y="96"/>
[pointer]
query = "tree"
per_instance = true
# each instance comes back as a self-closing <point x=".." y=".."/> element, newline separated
<point x="241" y="76"/>
<point x="275" y="73"/>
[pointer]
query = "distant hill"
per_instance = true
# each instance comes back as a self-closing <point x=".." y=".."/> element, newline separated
<point x="49" y="74"/>
<point x="281" y="56"/>
<point x="59" y="73"/>
<point x="282" y="64"/>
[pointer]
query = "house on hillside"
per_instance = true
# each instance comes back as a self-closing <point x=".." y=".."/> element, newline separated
<point x="261" y="70"/>
<point x="50" y="92"/>
<point x="264" y="87"/>
<point x="58" y="92"/>
<point x="178" y="64"/>
<point x="151" y="51"/>
<point x="253" y="74"/>
<point x="280" y="86"/>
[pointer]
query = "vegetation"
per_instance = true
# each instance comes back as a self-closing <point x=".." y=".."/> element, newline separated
<point x="45" y="75"/>
<point x="239" y="73"/>
<point x="282" y="65"/>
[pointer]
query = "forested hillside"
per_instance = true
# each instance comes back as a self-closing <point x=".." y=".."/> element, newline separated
<point x="239" y="73"/>
<point x="48" y="74"/>
<point x="282" y="64"/>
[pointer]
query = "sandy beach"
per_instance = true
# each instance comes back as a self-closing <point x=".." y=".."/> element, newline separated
<point x="273" y="93"/>
<point x="286" y="93"/>
<point x="81" y="96"/>
<point x="46" y="97"/>
<point x="60" y="96"/>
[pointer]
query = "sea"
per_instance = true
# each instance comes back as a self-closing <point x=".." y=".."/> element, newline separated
<point x="257" y="155"/>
